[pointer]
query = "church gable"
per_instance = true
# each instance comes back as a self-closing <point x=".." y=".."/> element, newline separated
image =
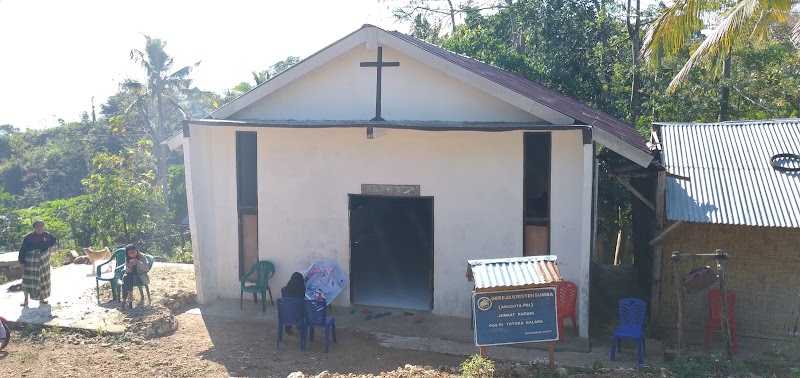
<point x="345" y="87"/>
<point x="337" y="85"/>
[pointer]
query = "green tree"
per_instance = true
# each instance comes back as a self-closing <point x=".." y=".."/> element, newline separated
<point x="680" y="24"/>
<point x="9" y="222"/>
<point x="8" y="129"/>
<point x="124" y="201"/>
<point x="260" y="77"/>
<point x="157" y="101"/>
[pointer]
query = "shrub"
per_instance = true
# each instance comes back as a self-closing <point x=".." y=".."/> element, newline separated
<point x="477" y="367"/>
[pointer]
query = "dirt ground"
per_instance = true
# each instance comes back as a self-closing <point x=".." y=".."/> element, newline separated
<point x="204" y="346"/>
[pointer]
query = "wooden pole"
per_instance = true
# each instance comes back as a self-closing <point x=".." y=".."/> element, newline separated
<point x="679" y="292"/>
<point x="723" y="292"/>
<point x="551" y="350"/>
<point x="655" y="289"/>
<point x="719" y="256"/>
<point x="482" y="351"/>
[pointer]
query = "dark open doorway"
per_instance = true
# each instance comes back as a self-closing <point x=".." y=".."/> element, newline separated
<point x="391" y="251"/>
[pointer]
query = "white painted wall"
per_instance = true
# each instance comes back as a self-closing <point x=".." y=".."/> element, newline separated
<point x="305" y="176"/>
<point x="570" y="214"/>
<point x="342" y="90"/>
<point x="211" y="194"/>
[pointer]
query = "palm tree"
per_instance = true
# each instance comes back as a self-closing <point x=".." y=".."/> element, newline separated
<point x="742" y="20"/>
<point x="163" y="89"/>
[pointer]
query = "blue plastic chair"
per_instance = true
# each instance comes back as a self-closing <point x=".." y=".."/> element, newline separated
<point x="290" y="312"/>
<point x="631" y="318"/>
<point x="316" y="317"/>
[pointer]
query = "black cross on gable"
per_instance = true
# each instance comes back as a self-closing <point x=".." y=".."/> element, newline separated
<point x="379" y="65"/>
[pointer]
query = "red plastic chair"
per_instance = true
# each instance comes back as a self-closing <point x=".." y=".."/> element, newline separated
<point x="567" y="295"/>
<point x="715" y="317"/>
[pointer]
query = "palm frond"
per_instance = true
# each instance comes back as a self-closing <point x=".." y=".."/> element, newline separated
<point x="796" y="35"/>
<point x="180" y="74"/>
<point x="670" y="30"/>
<point x="177" y="106"/>
<point x="773" y="11"/>
<point x="720" y="41"/>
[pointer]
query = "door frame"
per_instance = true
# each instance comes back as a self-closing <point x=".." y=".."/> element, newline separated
<point x="549" y="219"/>
<point x="350" y="197"/>
<point x="244" y="210"/>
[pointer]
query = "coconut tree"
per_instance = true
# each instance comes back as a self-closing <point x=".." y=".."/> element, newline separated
<point x="732" y="22"/>
<point x="158" y="99"/>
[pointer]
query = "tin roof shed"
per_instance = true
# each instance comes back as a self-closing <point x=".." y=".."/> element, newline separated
<point x="513" y="273"/>
<point x="731" y="178"/>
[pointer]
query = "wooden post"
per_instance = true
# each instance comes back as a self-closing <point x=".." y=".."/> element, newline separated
<point x="719" y="256"/>
<point x="655" y="289"/>
<point x="679" y="293"/>
<point x="723" y="292"/>
<point x="482" y="351"/>
<point x="551" y="350"/>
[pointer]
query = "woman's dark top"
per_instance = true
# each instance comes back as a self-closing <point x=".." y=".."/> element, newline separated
<point x="295" y="288"/>
<point x="34" y="241"/>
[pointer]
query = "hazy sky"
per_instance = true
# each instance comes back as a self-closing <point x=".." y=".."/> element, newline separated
<point x="55" y="55"/>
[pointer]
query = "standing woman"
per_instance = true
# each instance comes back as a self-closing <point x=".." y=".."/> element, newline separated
<point x="34" y="256"/>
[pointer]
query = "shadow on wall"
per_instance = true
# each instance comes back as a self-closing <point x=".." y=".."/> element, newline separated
<point x="610" y="283"/>
<point x="677" y="195"/>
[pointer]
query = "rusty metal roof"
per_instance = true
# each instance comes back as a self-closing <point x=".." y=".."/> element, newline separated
<point x="731" y="180"/>
<point x="560" y="102"/>
<point x="513" y="273"/>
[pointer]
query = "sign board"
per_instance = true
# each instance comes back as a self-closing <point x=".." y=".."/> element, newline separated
<point x="515" y="316"/>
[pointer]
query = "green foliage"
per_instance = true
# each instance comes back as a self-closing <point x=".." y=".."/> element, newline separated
<point x="597" y="365"/>
<point x="177" y="189"/>
<point x="781" y="364"/>
<point x="260" y="77"/>
<point x="3" y="279"/>
<point x="9" y="222"/>
<point x="477" y="367"/>
<point x="182" y="255"/>
<point x="58" y="256"/>
<point x="124" y="201"/>
<point x="712" y="366"/>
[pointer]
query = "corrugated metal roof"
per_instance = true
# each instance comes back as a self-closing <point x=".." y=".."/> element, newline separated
<point x="560" y="102"/>
<point x="731" y="178"/>
<point x="510" y="273"/>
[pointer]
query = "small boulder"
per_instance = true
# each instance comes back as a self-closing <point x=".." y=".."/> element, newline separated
<point x="82" y="260"/>
<point x="70" y="257"/>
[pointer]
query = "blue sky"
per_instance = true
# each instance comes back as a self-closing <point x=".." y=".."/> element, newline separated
<point x="57" y="55"/>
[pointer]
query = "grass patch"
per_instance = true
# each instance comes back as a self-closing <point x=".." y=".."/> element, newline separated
<point x="477" y="367"/>
<point x="46" y="332"/>
<point x="713" y="366"/>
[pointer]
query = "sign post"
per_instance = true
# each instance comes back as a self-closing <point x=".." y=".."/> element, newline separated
<point x="516" y="316"/>
<point x="514" y="301"/>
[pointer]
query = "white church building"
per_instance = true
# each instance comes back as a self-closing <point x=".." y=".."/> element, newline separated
<point x="399" y="161"/>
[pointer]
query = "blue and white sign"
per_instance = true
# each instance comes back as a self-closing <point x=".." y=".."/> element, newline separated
<point x="517" y="316"/>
